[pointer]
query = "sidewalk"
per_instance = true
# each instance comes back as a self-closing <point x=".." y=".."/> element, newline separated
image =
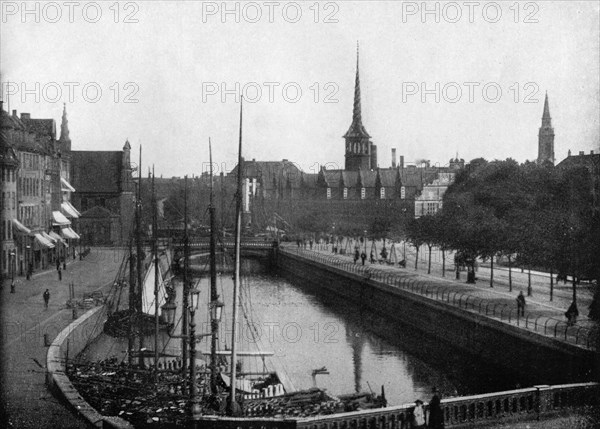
<point x="541" y="316"/>
<point x="25" y="321"/>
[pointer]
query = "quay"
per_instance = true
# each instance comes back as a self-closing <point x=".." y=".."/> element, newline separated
<point x="538" y="403"/>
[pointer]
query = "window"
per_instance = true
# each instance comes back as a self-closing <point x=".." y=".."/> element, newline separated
<point x="402" y="192"/>
<point x="328" y="193"/>
<point x="345" y="193"/>
<point x="363" y="193"/>
<point x="382" y="193"/>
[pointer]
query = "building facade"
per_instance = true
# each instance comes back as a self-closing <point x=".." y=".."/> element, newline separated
<point x="105" y="195"/>
<point x="40" y="227"/>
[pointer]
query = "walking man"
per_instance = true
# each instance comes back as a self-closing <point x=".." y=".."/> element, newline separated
<point x="46" y="298"/>
<point x="520" y="304"/>
<point x="59" y="274"/>
<point x="363" y="256"/>
<point x="436" y="415"/>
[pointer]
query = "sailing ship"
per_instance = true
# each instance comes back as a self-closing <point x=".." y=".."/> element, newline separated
<point x="228" y="390"/>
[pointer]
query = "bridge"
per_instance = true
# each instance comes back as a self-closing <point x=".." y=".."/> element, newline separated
<point x="203" y="244"/>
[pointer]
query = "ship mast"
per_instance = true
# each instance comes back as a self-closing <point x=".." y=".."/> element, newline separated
<point x="236" y="276"/>
<point x="140" y="285"/>
<point x="214" y="323"/>
<point x="186" y="283"/>
<point x="156" y="272"/>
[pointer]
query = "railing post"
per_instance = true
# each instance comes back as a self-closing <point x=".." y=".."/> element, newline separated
<point x="543" y="400"/>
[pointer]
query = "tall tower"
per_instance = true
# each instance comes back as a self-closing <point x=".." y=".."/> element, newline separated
<point x="65" y="140"/>
<point x="361" y="153"/>
<point x="546" y="137"/>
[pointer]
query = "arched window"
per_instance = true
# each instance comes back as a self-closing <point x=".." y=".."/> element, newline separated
<point x="382" y="193"/>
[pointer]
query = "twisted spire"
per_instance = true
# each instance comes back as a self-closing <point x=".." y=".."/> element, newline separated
<point x="357" y="128"/>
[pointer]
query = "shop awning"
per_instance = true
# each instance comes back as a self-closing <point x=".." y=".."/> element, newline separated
<point x="60" y="219"/>
<point x="57" y="237"/>
<point x="71" y="211"/>
<point x="69" y="233"/>
<point x="21" y="227"/>
<point x="48" y="237"/>
<point x="66" y="186"/>
<point x="44" y="241"/>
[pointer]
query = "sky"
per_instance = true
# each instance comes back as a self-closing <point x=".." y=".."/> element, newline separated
<point x="437" y="78"/>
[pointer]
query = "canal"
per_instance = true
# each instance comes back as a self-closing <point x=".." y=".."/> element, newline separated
<point x="308" y="328"/>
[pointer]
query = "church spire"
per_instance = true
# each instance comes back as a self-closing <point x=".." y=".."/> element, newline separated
<point x="356" y="128"/>
<point x="546" y="137"/>
<point x="64" y="126"/>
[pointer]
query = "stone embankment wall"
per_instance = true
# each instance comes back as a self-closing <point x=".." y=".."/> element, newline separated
<point x="506" y="347"/>
<point x="67" y="345"/>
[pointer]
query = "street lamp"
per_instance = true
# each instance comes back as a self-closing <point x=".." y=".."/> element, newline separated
<point x="168" y="310"/>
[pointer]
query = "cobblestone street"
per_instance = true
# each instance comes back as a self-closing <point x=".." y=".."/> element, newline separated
<point x="25" y="322"/>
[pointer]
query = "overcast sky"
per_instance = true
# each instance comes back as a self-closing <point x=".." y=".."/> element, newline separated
<point x="179" y="56"/>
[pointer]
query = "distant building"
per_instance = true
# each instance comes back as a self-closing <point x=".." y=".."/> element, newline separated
<point x="105" y="195"/>
<point x="40" y="227"/>
<point x="546" y="137"/>
<point x="9" y="166"/>
<point x="590" y="161"/>
<point x="430" y="200"/>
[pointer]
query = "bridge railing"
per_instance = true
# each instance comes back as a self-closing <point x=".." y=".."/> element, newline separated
<point x="513" y="405"/>
<point x="504" y="310"/>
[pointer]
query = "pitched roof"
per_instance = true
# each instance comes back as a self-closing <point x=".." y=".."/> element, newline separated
<point x="272" y="173"/>
<point x="351" y="179"/>
<point x="96" y="171"/>
<point x="41" y="127"/>
<point x="387" y="177"/>
<point x="368" y="178"/>
<point x="309" y="179"/>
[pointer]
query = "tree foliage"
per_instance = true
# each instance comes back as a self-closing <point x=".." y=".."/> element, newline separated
<point x="546" y="216"/>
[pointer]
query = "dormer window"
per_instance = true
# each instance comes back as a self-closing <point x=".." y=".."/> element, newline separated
<point x="363" y="193"/>
<point x="328" y="193"/>
<point x="382" y="193"/>
<point x="345" y="193"/>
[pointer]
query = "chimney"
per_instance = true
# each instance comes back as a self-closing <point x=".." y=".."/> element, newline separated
<point x="14" y="112"/>
<point x="591" y="152"/>
<point x="393" y="157"/>
<point x="24" y="115"/>
<point x="401" y="165"/>
<point x="569" y="152"/>
<point x="581" y="152"/>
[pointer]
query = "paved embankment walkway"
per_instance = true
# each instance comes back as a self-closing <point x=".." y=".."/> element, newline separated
<point x="25" y="321"/>
<point x="541" y="315"/>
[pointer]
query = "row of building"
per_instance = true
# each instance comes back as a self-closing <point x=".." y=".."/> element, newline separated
<point x="55" y="198"/>
<point x="36" y="210"/>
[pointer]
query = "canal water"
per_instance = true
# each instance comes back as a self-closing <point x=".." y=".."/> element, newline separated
<point x="307" y="328"/>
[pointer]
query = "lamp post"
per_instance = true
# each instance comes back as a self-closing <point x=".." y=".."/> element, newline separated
<point x="169" y="310"/>
<point x="365" y="240"/>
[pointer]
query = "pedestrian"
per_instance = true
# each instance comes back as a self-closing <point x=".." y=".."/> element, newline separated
<point x="356" y="255"/>
<point x="46" y="298"/>
<point x="363" y="256"/>
<point x="418" y="415"/>
<point x="372" y="257"/>
<point x="57" y="264"/>
<point x="436" y="416"/>
<point x="59" y="274"/>
<point x="12" y="286"/>
<point x="310" y="242"/>
<point x="521" y="304"/>
<point x="572" y="314"/>
<point x="64" y="264"/>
